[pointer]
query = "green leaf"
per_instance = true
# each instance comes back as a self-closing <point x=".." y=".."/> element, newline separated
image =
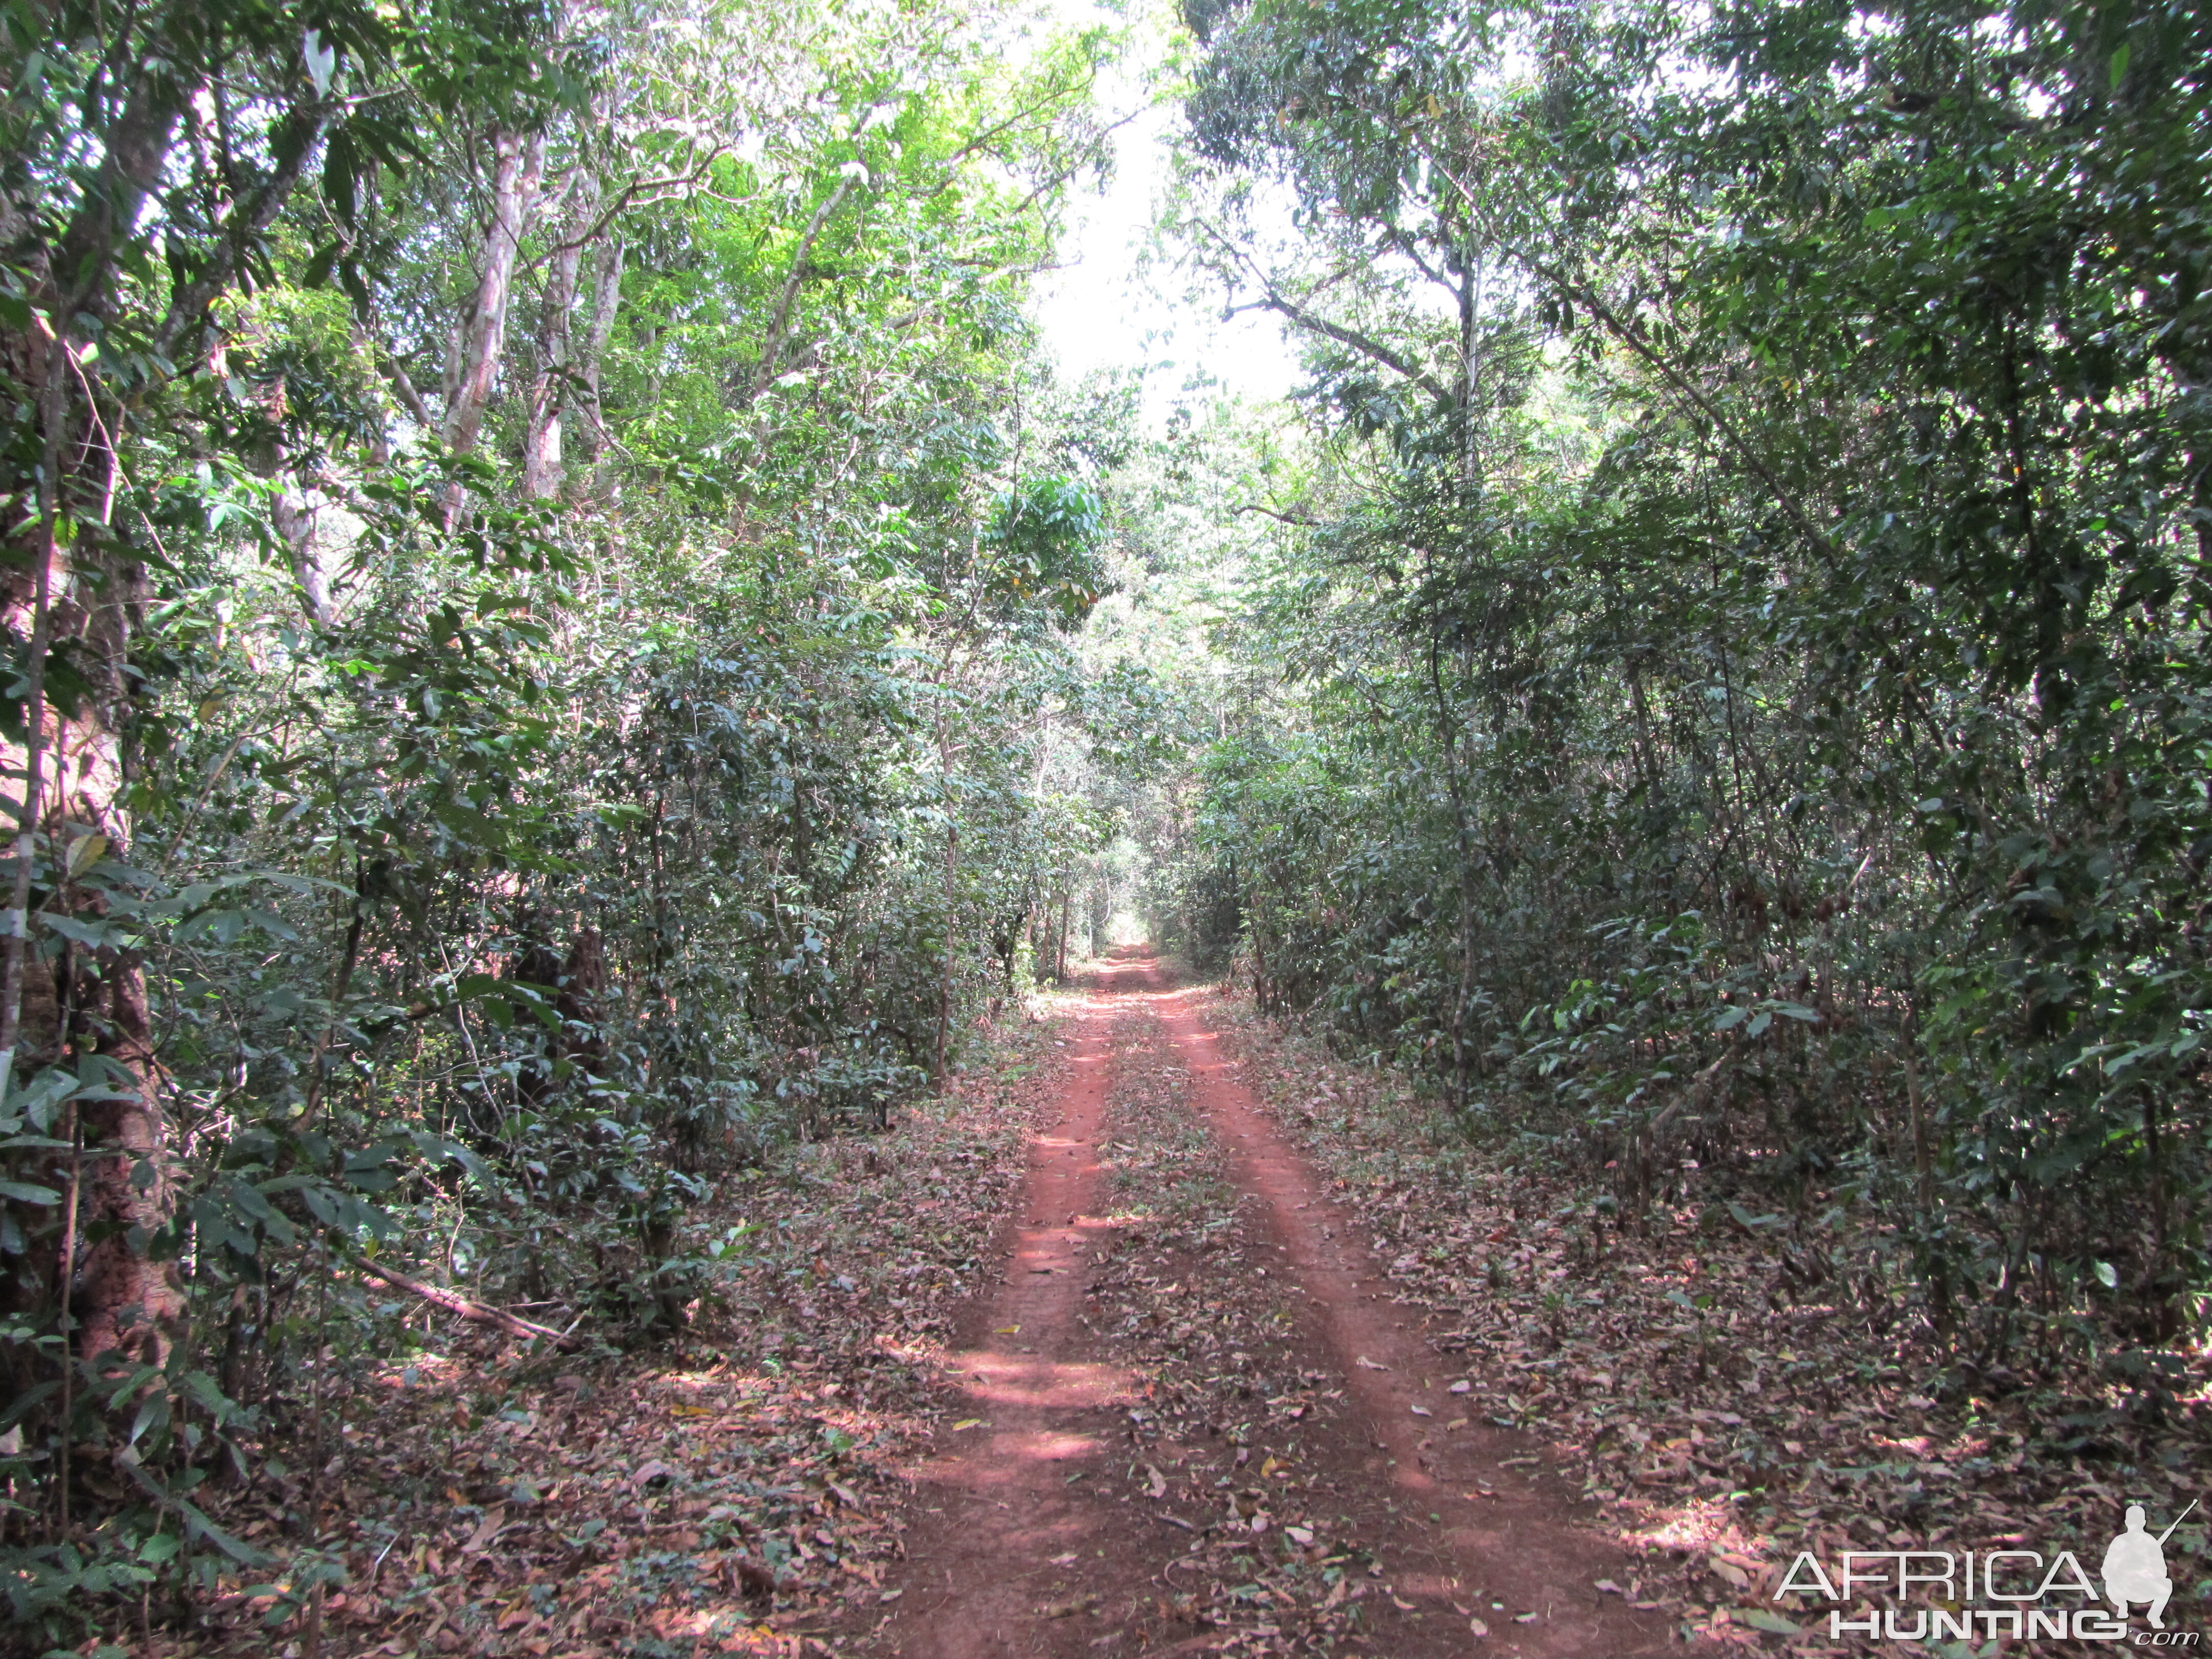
<point x="319" y="1204"/>
<point x="98" y="935"/>
<point x="160" y="1547"/>
<point x="24" y="1193"/>
<point x="236" y="1548"/>
<point x="153" y="1413"/>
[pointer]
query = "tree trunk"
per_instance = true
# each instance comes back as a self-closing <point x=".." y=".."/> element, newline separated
<point x="1923" y="1151"/>
<point x="92" y="1001"/>
<point x="550" y="392"/>
<point x="944" y="970"/>
<point x="606" y="300"/>
<point x="78" y="584"/>
<point x="473" y="358"/>
<point x="293" y="515"/>
<point x="1448" y="735"/>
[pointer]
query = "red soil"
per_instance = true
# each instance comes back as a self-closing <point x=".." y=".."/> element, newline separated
<point x="1025" y="1543"/>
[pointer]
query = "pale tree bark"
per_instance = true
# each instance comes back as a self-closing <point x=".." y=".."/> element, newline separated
<point x="555" y="381"/>
<point x="606" y="301"/>
<point x="293" y="514"/>
<point x="480" y="336"/>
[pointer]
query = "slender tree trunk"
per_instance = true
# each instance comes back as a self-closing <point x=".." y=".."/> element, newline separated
<point x="1923" y="1151"/>
<point x="1448" y="734"/>
<point x="951" y="920"/>
<point x="293" y="516"/>
<point x="550" y="392"/>
<point x="2154" y="1152"/>
<point x="606" y="301"/>
<point x="1646" y="752"/>
<point x="472" y="358"/>
<point x="31" y="762"/>
<point x="1263" y="985"/>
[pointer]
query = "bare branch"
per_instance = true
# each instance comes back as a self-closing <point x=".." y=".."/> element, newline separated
<point x="779" y="325"/>
<point x="475" y="1312"/>
<point x="1273" y="299"/>
<point x="403" y="388"/>
<point x="1365" y="345"/>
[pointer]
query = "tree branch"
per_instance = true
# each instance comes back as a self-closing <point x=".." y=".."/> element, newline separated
<point x="188" y="305"/>
<point x="779" y="325"/>
<point x="405" y="389"/>
<point x="475" y="1312"/>
<point x="1273" y="299"/>
<point x="1587" y="297"/>
<point x="1357" y="342"/>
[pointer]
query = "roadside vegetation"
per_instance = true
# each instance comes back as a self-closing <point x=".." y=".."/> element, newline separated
<point x="1725" y="689"/>
<point x="542" y="559"/>
<point x="572" y="663"/>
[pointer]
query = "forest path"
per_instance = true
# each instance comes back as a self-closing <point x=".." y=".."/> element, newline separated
<point x="1101" y="1495"/>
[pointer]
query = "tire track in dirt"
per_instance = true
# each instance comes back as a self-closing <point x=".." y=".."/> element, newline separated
<point x="982" y="1580"/>
<point x="1497" y="1529"/>
<point x="1029" y="1536"/>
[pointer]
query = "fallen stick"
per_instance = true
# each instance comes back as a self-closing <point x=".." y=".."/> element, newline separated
<point x="475" y="1312"/>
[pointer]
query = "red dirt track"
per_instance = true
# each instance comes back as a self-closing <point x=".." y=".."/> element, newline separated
<point x="1029" y="1543"/>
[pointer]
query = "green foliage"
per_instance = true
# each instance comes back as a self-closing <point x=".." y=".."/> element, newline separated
<point x="593" y="609"/>
<point x="1749" y="663"/>
<point x="1040" y="542"/>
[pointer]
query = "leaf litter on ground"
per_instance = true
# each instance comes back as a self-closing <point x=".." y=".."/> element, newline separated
<point x="739" y="1490"/>
<point x="1727" y="1388"/>
<point x="1237" y="1428"/>
<point x="730" y="1491"/>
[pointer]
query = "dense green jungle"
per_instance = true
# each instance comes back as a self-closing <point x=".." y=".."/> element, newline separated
<point x="570" y="641"/>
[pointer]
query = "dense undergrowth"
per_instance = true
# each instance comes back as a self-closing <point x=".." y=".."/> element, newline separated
<point x="729" y="1490"/>
<point x="1727" y="681"/>
<point x="540" y="578"/>
<point x="1730" y="1383"/>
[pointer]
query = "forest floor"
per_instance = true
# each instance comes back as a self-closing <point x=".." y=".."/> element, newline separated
<point x="1164" y="1333"/>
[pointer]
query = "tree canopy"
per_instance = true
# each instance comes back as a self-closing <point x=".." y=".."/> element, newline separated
<point x="563" y="630"/>
<point x="1737" y="666"/>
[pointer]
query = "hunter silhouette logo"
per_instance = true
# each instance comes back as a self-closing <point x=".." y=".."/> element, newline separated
<point x="2135" y="1567"/>
<point x="1980" y="1594"/>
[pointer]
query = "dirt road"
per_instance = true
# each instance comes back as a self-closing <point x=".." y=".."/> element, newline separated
<point x="1196" y="1423"/>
